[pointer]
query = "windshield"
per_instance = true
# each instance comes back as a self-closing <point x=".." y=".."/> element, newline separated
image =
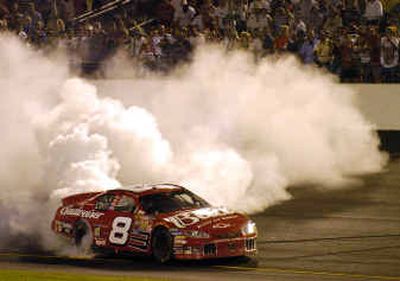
<point x="171" y="201"/>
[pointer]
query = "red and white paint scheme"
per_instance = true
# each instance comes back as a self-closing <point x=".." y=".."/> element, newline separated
<point x="164" y="220"/>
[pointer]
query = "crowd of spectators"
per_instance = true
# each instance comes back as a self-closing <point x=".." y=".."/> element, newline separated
<point x="356" y="39"/>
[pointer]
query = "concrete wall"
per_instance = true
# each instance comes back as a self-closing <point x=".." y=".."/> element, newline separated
<point x="380" y="103"/>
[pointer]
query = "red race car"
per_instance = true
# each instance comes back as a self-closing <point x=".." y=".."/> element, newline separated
<point x="165" y="220"/>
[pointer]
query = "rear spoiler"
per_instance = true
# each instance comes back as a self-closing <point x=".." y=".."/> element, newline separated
<point x="78" y="198"/>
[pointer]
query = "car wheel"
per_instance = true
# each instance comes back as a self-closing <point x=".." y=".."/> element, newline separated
<point x="83" y="239"/>
<point x="162" y="245"/>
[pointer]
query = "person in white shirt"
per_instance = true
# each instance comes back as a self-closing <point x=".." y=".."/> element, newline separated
<point x="373" y="11"/>
<point x="220" y="13"/>
<point x="184" y="14"/>
<point x="257" y="5"/>
<point x="390" y="54"/>
<point x="260" y="19"/>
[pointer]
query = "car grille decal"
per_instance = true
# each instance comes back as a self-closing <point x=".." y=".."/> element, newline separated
<point x="140" y="236"/>
<point x="139" y="240"/>
<point x="210" y="250"/>
<point x="250" y="244"/>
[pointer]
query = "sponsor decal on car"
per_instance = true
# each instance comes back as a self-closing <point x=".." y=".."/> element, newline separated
<point x="139" y="239"/>
<point x="142" y="222"/>
<point x="100" y="242"/>
<point x="97" y="231"/>
<point x="66" y="211"/>
<point x="188" y="218"/>
<point x="180" y="240"/>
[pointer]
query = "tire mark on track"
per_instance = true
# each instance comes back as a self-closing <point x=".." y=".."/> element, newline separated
<point x="337" y="253"/>
<point x="344" y="275"/>
<point x="303" y="216"/>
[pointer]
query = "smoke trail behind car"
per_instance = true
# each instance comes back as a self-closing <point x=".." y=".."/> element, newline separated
<point x="235" y="132"/>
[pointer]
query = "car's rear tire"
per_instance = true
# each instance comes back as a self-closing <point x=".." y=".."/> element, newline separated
<point x="83" y="239"/>
<point x="162" y="245"/>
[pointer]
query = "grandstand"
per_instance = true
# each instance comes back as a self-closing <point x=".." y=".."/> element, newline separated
<point x="358" y="40"/>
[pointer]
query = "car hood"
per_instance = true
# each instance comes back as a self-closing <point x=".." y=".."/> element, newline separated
<point x="211" y="219"/>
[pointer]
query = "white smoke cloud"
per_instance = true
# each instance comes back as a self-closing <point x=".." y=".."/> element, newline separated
<point x="285" y="123"/>
<point x="28" y="82"/>
<point x="235" y="132"/>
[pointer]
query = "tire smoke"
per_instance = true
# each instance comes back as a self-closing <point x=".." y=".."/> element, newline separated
<point x="236" y="132"/>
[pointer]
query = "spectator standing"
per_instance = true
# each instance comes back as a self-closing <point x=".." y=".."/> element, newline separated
<point x="296" y="41"/>
<point x="317" y="18"/>
<point x="253" y="20"/>
<point x="147" y="56"/>
<point x="245" y="40"/>
<point x="333" y="22"/>
<point x="45" y="8"/>
<point x="52" y="24"/>
<point x="257" y="45"/>
<point x="268" y="41"/>
<point x="373" y="12"/>
<point x="208" y="10"/>
<point x="35" y="15"/>
<point x="324" y="52"/>
<point x="184" y="14"/>
<point x="102" y="43"/>
<point x="282" y="17"/>
<point x="60" y="32"/>
<point x="349" y="71"/>
<point x="66" y="9"/>
<point x="258" y="5"/>
<point x="350" y="13"/>
<point x="374" y="41"/>
<point x="164" y="12"/>
<point x="3" y="25"/>
<point x="281" y="42"/>
<point x="299" y="27"/>
<point x="304" y="10"/>
<point x="365" y="60"/>
<point x="15" y="17"/>
<point x="3" y="9"/>
<point x="199" y="22"/>
<point x="307" y="50"/>
<point x="239" y="14"/>
<point x="258" y="20"/>
<point x="155" y="43"/>
<point x="136" y="43"/>
<point x="390" y="54"/>
<point x="39" y="36"/>
<point x="27" y="25"/>
<point x="221" y="13"/>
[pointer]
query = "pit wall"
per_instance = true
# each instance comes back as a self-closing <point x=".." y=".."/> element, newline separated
<point x="380" y="103"/>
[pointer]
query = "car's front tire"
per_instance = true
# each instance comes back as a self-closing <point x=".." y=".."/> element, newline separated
<point x="162" y="245"/>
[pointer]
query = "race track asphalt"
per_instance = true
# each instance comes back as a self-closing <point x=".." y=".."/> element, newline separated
<point x="345" y="234"/>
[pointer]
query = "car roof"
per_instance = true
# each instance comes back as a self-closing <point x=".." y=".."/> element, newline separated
<point x="145" y="189"/>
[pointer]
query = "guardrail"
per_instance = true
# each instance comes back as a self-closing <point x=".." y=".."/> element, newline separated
<point x="101" y="10"/>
